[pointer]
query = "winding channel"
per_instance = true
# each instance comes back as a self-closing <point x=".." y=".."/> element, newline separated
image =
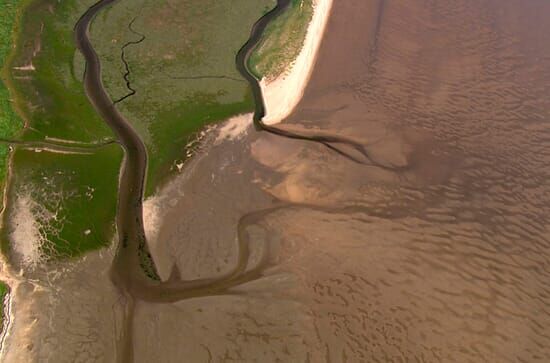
<point x="129" y="273"/>
<point x="333" y="142"/>
<point x="133" y="270"/>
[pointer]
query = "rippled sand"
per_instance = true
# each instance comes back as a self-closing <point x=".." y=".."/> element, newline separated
<point x="438" y="251"/>
<point x="441" y="255"/>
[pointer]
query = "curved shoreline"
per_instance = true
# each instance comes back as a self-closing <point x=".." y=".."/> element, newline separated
<point x="282" y="94"/>
<point x="332" y="142"/>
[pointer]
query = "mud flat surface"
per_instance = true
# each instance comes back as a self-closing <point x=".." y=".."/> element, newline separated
<point x="439" y="255"/>
<point x="69" y="312"/>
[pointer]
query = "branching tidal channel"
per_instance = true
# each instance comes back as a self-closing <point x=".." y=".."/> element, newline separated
<point x="126" y="76"/>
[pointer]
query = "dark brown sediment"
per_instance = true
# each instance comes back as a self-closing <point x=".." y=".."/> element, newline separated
<point x="129" y="217"/>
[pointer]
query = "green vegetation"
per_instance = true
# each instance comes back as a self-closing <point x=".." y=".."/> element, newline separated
<point x="4" y="289"/>
<point x="48" y="92"/>
<point x="71" y="199"/>
<point x="10" y="123"/>
<point x="184" y="75"/>
<point x="283" y="40"/>
<point x="183" y="72"/>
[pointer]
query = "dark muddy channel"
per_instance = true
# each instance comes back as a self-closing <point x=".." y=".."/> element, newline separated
<point x="133" y="269"/>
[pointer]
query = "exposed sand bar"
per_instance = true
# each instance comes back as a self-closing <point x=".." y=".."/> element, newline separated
<point x="283" y="93"/>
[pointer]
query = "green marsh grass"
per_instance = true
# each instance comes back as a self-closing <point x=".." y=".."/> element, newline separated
<point x="283" y="40"/>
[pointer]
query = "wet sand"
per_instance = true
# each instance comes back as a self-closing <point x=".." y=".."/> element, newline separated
<point x="440" y="259"/>
<point x="441" y="255"/>
<point x="68" y="312"/>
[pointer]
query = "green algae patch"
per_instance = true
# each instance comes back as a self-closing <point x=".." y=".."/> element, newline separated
<point x="282" y="41"/>
<point x="61" y="204"/>
<point x="45" y="86"/>
<point x="183" y="71"/>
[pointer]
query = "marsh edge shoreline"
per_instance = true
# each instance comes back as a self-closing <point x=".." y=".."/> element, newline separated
<point x="282" y="94"/>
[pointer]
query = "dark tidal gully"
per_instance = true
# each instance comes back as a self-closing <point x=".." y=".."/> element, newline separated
<point x="128" y="270"/>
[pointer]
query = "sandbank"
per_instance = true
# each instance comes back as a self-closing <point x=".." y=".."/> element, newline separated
<point x="281" y="95"/>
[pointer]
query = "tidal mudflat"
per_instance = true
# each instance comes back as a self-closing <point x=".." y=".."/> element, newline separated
<point x="432" y="244"/>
